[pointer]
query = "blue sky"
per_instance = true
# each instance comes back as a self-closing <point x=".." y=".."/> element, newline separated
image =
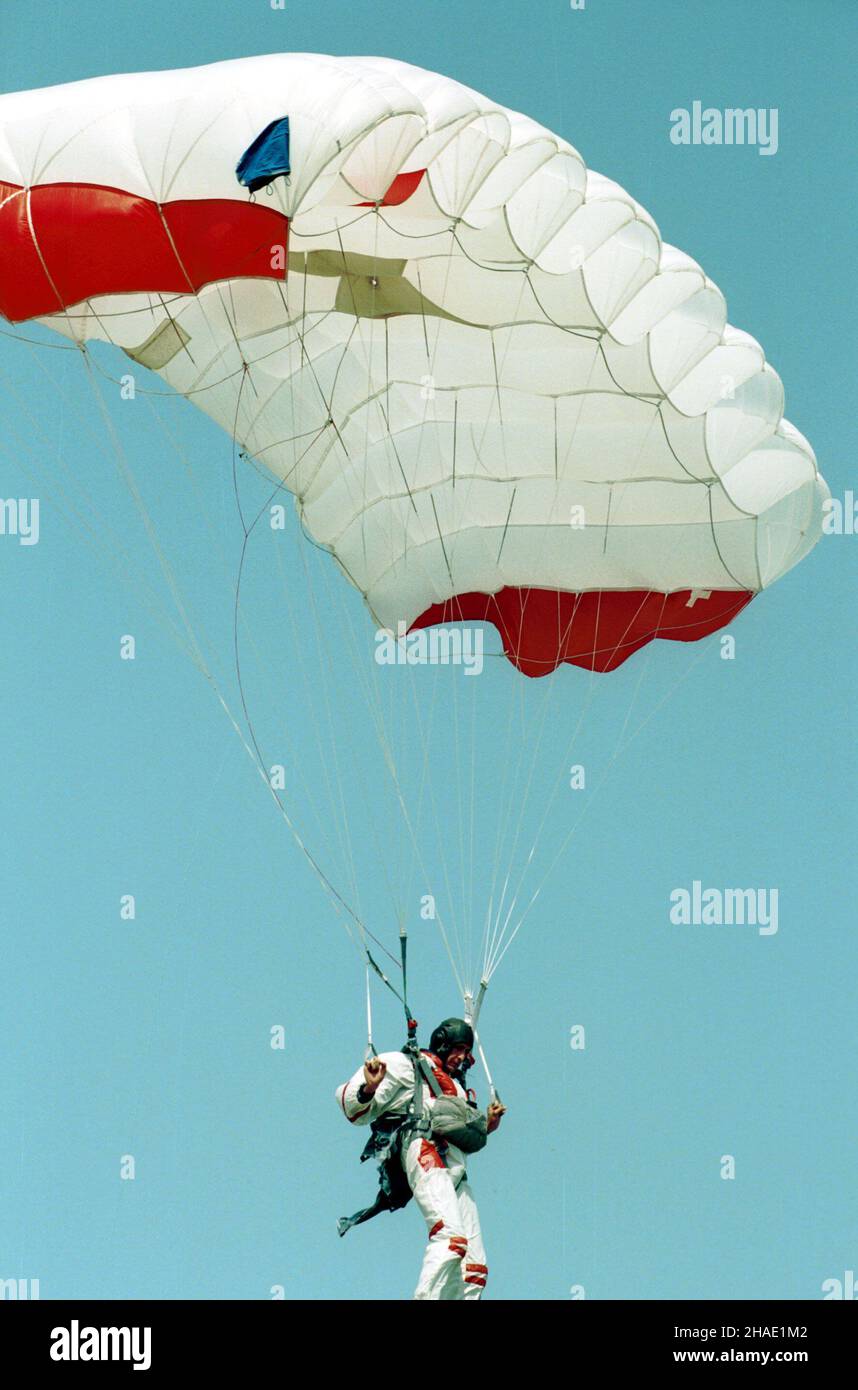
<point x="151" y="1037"/>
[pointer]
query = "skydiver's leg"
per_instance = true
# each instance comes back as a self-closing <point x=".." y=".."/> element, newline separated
<point x="476" y="1270"/>
<point x="435" y="1195"/>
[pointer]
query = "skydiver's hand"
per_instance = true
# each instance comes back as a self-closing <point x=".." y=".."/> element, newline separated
<point x="374" y="1072"/>
<point x="493" y="1116"/>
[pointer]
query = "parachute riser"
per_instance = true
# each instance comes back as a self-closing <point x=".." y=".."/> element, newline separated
<point x="472" y="1013"/>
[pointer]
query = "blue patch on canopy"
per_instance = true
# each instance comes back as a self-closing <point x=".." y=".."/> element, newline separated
<point x="267" y="158"/>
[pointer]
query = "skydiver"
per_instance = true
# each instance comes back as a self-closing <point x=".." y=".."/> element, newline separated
<point x="454" y="1265"/>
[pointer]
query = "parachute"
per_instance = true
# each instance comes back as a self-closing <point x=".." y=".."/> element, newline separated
<point x="495" y="395"/>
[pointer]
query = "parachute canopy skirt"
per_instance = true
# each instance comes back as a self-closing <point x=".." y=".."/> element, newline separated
<point x="494" y="392"/>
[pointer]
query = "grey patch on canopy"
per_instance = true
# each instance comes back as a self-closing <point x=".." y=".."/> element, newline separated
<point x="371" y="287"/>
<point x="161" y="346"/>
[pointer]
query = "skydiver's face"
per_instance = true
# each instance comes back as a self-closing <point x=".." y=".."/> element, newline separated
<point x="455" y="1058"/>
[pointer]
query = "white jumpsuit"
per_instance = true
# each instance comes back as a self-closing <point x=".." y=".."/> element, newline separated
<point x="454" y="1266"/>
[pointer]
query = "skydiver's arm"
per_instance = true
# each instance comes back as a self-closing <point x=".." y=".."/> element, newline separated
<point x="363" y="1098"/>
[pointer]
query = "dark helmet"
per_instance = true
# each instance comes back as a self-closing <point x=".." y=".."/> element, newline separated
<point x="453" y="1032"/>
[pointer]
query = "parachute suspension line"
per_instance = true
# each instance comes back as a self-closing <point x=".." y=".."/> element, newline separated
<point x="94" y="531"/>
<point x="185" y="462"/>
<point x="463" y="933"/>
<point x="425" y="781"/>
<point x="333" y="745"/>
<point x="457" y="963"/>
<point x="195" y="650"/>
<point x="499" y="940"/>
<point x="552" y="685"/>
<point x="372" y="699"/>
<point x="668" y="695"/>
<point x="383" y="852"/>
<point x="191" y="648"/>
<point x="472" y="802"/>
<point x="523" y="800"/>
<point x="328" y="825"/>
<point x="199" y="660"/>
<point x="333" y="893"/>
<point x="330" y="753"/>
<point x="248" y="530"/>
<point x="266" y="478"/>
<point x="618" y="752"/>
<point x="500" y="930"/>
<point x="506" y="800"/>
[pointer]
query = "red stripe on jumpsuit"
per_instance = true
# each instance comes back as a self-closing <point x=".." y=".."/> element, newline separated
<point x="356" y="1116"/>
<point x="445" y="1082"/>
<point x="429" y="1157"/>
